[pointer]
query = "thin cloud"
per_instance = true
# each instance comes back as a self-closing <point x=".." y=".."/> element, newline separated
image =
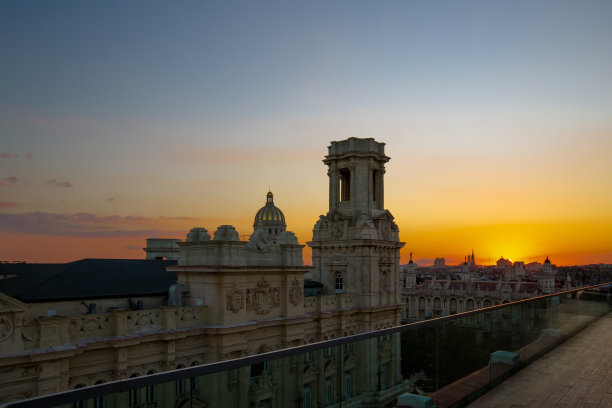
<point x="37" y="121"/>
<point x="132" y="248"/>
<point x="11" y="179"/>
<point x="8" y="155"/>
<point x="162" y="217"/>
<point x="28" y="156"/>
<point x="79" y="225"/>
<point x="8" y="204"/>
<point x="135" y="218"/>
<point x="56" y="183"/>
<point x="238" y="155"/>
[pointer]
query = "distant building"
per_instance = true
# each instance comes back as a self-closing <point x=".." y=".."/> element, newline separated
<point x="440" y="297"/>
<point x="439" y="263"/>
<point x="162" y="248"/>
<point x="503" y="263"/>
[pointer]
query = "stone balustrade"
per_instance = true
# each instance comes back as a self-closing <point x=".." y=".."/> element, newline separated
<point x="324" y="303"/>
<point x="44" y="332"/>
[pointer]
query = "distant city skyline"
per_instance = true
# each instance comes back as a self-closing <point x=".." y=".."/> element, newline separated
<point x="123" y="121"/>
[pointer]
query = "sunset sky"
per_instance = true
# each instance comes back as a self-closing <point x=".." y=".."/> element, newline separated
<point x="126" y="120"/>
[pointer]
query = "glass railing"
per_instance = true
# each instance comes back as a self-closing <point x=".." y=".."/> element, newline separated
<point x="446" y="361"/>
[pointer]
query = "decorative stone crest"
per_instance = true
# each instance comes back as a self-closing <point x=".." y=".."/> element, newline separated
<point x="234" y="301"/>
<point x="262" y="298"/>
<point x="296" y="293"/>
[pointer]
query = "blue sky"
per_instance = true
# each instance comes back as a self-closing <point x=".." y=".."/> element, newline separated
<point x="135" y="104"/>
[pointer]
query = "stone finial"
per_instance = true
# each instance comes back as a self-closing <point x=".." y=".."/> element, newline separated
<point x="198" y="234"/>
<point x="226" y="233"/>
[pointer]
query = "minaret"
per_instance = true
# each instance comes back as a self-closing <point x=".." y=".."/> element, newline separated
<point x="547" y="278"/>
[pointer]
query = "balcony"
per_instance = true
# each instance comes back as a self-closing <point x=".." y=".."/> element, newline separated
<point x="449" y="362"/>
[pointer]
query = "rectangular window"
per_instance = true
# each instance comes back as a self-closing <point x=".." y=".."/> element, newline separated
<point x="180" y="387"/>
<point x="383" y="376"/>
<point x="329" y="391"/>
<point x="348" y="385"/>
<point x="345" y="184"/>
<point x="259" y="368"/>
<point x="151" y="393"/>
<point x="133" y="398"/>
<point x="99" y="402"/>
<point x="307" y="397"/>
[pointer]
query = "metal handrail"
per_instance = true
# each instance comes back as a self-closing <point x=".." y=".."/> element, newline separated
<point x="125" y="385"/>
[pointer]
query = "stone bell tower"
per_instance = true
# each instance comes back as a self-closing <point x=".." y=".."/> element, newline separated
<point x="355" y="246"/>
<point x="356" y="175"/>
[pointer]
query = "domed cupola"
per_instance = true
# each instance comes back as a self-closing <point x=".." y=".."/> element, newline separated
<point x="270" y="218"/>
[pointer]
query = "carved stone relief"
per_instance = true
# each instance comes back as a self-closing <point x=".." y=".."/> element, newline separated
<point x="6" y="327"/>
<point x="337" y="227"/>
<point x="262" y="298"/>
<point x="261" y="241"/>
<point x="296" y="292"/>
<point x="234" y="301"/>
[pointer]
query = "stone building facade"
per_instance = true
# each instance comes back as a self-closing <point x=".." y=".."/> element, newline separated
<point x="233" y="298"/>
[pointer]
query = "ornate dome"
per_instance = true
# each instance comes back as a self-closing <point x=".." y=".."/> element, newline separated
<point x="270" y="218"/>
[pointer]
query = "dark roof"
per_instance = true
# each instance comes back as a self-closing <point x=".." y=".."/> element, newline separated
<point x="86" y="279"/>
<point x="312" y="284"/>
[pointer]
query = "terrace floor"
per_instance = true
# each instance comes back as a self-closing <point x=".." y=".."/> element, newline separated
<point x="577" y="373"/>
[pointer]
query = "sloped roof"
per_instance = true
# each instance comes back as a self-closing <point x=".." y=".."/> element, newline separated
<point x="86" y="279"/>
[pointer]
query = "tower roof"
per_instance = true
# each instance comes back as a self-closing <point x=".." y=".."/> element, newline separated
<point x="269" y="215"/>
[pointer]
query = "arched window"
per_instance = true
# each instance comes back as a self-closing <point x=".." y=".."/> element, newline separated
<point x="453" y="306"/>
<point x="339" y="283"/>
<point x="383" y="281"/>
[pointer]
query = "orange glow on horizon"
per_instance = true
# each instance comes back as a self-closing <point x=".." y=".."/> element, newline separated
<point x="566" y="244"/>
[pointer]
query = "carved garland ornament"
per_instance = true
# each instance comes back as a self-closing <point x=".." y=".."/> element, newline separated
<point x="263" y="298"/>
<point x="296" y="293"/>
<point x="234" y="301"/>
<point x="6" y="327"/>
